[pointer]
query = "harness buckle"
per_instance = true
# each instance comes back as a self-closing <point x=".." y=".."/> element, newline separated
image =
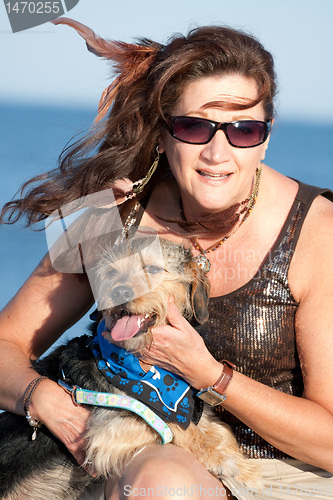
<point x="67" y="387"/>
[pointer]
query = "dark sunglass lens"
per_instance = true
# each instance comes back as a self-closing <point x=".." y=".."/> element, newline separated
<point x="246" y="134"/>
<point x="192" y="130"/>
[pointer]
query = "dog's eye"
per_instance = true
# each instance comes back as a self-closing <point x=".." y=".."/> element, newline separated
<point x="112" y="273"/>
<point x="154" y="269"/>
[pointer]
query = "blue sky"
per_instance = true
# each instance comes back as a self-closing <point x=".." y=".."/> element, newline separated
<point x="50" y="65"/>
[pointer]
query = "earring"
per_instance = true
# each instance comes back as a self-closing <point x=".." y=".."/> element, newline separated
<point x="124" y="189"/>
<point x="141" y="183"/>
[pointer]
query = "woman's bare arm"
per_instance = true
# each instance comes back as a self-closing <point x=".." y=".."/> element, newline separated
<point x="47" y="304"/>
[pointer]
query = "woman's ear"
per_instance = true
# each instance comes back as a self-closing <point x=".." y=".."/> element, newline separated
<point x="263" y="154"/>
<point x="162" y="141"/>
<point x="160" y="145"/>
<point x="266" y="144"/>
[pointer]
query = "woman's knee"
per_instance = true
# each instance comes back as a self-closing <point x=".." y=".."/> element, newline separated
<point x="157" y="470"/>
<point x="164" y="471"/>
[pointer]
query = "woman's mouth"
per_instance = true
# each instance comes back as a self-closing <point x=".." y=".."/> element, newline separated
<point x="212" y="175"/>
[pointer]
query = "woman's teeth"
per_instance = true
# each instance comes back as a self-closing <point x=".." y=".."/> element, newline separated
<point x="213" y="176"/>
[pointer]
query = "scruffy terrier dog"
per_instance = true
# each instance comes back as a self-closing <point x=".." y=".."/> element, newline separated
<point x="133" y="282"/>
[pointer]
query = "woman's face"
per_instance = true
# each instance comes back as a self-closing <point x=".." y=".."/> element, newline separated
<point x="214" y="176"/>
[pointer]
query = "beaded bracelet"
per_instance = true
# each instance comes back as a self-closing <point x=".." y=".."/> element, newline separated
<point x="36" y="424"/>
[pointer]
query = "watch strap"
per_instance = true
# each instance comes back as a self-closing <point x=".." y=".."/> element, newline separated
<point x="224" y="380"/>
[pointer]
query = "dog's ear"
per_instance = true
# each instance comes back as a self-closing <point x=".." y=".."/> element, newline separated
<point x="199" y="294"/>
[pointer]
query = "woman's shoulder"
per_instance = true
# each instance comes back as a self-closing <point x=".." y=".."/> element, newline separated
<point x="318" y="199"/>
<point x="316" y="238"/>
<point x="317" y="225"/>
<point x="319" y="221"/>
<point x="312" y="263"/>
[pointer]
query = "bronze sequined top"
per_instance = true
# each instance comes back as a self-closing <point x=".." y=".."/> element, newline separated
<point x="254" y="326"/>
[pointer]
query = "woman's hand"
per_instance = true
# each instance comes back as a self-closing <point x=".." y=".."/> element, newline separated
<point x="178" y="348"/>
<point x="54" y="407"/>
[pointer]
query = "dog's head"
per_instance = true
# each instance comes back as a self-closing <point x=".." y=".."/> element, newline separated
<point x="133" y="282"/>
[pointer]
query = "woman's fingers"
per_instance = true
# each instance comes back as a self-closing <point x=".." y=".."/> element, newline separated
<point x="72" y="434"/>
<point x="178" y="348"/>
<point x="173" y="315"/>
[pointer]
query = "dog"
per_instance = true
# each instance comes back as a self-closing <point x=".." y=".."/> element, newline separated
<point x="132" y="283"/>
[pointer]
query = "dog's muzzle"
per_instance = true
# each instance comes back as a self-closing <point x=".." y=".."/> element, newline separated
<point x="122" y="294"/>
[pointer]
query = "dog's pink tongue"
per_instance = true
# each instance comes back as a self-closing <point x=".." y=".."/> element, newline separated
<point x="126" y="327"/>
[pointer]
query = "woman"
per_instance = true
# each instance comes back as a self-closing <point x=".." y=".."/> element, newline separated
<point x="263" y="239"/>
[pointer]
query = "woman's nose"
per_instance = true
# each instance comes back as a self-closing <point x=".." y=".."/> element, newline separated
<point x="218" y="150"/>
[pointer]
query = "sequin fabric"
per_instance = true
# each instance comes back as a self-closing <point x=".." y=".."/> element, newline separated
<point x="254" y="326"/>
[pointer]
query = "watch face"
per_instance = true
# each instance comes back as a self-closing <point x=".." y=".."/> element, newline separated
<point x="211" y="397"/>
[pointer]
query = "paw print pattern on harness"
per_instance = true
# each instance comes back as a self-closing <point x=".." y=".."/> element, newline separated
<point x="170" y="382"/>
<point x="137" y="388"/>
<point x="153" y="397"/>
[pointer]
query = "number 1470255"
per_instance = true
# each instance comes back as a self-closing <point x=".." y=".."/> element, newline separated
<point x="34" y="7"/>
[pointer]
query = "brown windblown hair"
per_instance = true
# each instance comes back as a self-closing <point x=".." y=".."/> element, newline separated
<point x="139" y="102"/>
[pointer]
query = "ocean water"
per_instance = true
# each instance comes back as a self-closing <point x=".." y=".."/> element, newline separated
<point x="31" y="139"/>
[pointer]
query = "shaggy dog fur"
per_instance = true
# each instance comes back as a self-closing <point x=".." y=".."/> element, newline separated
<point x="44" y="469"/>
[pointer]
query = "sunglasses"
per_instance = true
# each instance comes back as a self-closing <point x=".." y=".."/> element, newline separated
<point x="239" y="134"/>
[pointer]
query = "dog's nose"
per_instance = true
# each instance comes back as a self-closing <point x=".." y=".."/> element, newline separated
<point x="122" y="294"/>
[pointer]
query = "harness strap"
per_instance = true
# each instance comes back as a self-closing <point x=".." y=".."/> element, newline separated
<point x="109" y="400"/>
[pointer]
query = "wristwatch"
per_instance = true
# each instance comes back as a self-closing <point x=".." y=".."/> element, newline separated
<point x="215" y="395"/>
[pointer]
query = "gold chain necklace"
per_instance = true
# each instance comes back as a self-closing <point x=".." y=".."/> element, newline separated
<point x="201" y="259"/>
